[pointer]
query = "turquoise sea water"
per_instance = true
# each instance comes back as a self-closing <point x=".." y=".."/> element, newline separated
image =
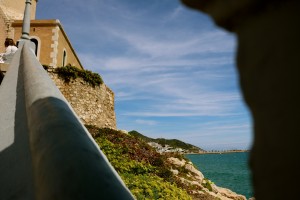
<point x="226" y="170"/>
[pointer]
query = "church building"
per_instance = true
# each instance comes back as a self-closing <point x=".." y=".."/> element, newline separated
<point x="53" y="48"/>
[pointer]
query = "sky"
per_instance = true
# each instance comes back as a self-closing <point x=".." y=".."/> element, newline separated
<point x="172" y="70"/>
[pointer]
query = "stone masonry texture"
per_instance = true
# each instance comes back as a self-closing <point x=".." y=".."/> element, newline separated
<point x="93" y="105"/>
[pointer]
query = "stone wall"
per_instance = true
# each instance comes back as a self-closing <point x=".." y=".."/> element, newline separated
<point x="93" y="105"/>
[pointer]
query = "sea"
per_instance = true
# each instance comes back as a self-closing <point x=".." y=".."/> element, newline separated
<point x="227" y="170"/>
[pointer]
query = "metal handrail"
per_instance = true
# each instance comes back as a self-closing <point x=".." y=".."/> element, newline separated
<point x="45" y="151"/>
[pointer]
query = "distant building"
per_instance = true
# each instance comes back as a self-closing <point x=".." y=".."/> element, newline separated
<point x="52" y="44"/>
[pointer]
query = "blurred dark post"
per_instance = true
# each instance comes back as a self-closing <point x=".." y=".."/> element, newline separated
<point x="269" y="68"/>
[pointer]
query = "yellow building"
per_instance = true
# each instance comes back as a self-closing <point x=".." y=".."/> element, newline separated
<point x="53" y="47"/>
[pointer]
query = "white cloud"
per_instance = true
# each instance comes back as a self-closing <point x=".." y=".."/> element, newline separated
<point x="162" y="43"/>
<point x="146" y="122"/>
<point x="175" y="14"/>
<point x="175" y="90"/>
<point x="161" y="61"/>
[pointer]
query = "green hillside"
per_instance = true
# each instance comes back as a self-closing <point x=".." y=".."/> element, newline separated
<point x="145" y="172"/>
<point x="151" y="175"/>
<point x="171" y="142"/>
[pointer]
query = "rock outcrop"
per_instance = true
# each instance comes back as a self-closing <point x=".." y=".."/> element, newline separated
<point x="204" y="188"/>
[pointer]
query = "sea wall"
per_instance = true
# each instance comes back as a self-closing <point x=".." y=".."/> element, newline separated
<point x="93" y="105"/>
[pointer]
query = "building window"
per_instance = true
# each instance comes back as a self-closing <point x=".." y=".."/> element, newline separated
<point x="36" y="43"/>
<point x="64" y="60"/>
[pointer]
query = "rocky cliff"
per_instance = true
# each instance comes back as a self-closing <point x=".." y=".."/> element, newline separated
<point x="93" y="104"/>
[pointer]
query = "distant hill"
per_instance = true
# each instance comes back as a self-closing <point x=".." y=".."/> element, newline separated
<point x="174" y="143"/>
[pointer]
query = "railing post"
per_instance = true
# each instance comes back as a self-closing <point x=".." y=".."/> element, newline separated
<point x="26" y="21"/>
<point x="26" y="26"/>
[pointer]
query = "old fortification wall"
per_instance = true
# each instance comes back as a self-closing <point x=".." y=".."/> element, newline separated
<point x="93" y="105"/>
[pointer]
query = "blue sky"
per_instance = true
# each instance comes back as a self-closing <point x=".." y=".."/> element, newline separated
<point x="171" y="69"/>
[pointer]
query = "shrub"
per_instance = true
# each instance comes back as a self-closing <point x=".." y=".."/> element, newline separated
<point x="121" y="162"/>
<point x="207" y="184"/>
<point x="69" y="73"/>
<point x="153" y="187"/>
<point x="145" y="172"/>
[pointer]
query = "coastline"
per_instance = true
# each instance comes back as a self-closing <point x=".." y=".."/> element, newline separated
<point x="209" y="167"/>
<point x="219" y="152"/>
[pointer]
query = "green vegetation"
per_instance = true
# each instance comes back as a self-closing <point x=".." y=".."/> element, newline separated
<point x="153" y="187"/>
<point x="68" y="73"/>
<point x="207" y="184"/>
<point x="145" y="172"/>
<point x="172" y="142"/>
